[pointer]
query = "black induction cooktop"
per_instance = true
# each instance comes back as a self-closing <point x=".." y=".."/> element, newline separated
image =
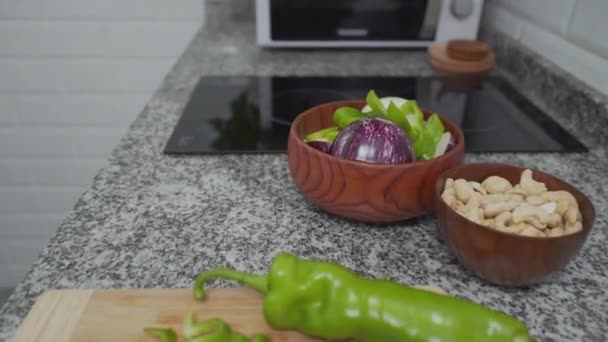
<point x="254" y="114"/>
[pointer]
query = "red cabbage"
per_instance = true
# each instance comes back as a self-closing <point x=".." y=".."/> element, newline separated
<point x="374" y="141"/>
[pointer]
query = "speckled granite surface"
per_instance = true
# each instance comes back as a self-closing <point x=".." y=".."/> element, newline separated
<point x="151" y="220"/>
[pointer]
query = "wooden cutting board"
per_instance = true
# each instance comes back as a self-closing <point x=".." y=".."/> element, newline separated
<point x="121" y="315"/>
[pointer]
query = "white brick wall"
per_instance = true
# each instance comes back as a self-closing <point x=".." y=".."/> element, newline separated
<point x="570" y="33"/>
<point x="73" y="75"/>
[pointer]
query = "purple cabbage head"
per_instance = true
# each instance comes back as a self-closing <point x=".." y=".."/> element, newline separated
<point x="374" y="141"/>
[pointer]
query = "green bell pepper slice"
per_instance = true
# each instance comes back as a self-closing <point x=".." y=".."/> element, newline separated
<point x="374" y="102"/>
<point x="215" y="330"/>
<point x="398" y="118"/>
<point x="211" y="330"/>
<point x="411" y="108"/>
<point x="425" y="146"/>
<point x="327" y="300"/>
<point x="414" y="117"/>
<point x="344" y="116"/>
<point x="435" y="127"/>
<point x="163" y="334"/>
<point x="326" y="134"/>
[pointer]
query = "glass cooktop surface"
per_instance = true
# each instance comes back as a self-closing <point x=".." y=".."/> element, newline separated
<point x="254" y="114"/>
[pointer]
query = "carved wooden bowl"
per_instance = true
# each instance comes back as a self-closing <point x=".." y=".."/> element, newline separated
<point x="504" y="258"/>
<point x="361" y="191"/>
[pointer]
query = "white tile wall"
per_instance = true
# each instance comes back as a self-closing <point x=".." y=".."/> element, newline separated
<point x="549" y="14"/>
<point x="589" y="26"/>
<point x="29" y="226"/>
<point x="73" y="76"/>
<point x="569" y="33"/>
<point x="8" y="110"/>
<point x="65" y="110"/>
<point x="35" y="38"/>
<point x="12" y="273"/>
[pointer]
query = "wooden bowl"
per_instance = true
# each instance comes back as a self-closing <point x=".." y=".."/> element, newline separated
<point x="504" y="258"/>
<point x="363" y="191"/>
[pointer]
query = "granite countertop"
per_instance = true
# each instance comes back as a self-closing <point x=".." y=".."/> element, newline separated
<point x="153" y="220"/>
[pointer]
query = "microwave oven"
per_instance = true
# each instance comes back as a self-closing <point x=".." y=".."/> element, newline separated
<point x="365" y="23"/>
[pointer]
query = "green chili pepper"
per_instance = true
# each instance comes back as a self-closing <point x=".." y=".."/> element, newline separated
<point x="163" y="334"/>
<point x="327" y="300"/>
<point x="211" y="330"/>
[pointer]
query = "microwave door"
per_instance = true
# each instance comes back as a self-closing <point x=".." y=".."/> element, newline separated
<point x="353" y="20"/>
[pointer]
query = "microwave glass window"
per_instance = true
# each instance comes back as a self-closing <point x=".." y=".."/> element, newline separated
<point x="324" y="20"/>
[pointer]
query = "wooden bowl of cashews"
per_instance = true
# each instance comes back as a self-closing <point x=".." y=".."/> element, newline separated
<point x="510" y="225"/>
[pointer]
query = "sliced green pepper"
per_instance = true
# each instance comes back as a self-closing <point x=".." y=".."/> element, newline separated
<point x="327" y="300"/>
<point x="163" y="334"/>
<point x="344" y="116"/>
<point x="414" y="117"/>
<point x="327" y="134"/>
<point x="424" y="146"/>
<point x="215" y="330"/>
<point x="434" y="126"/>
<point x="211" y="330"/>
<point x="411" y="108"/>
<point x="396" y="116"/>
<point x="374" y="102"/>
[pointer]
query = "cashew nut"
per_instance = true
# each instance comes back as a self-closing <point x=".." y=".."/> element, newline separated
<point x="451" y="200"/>
<point x="557" y="196"/>
<point x="529" y="185"/>
<point x="493" y="209"/>
<point x="562" y="206"/>
<point x="554" y="220"/>
<point x="517" y="228"/>
<point x="574" y="227"/>
<point x="497" y="198"/>
<point x="496" y="185"/>
<point x="533" y="221"/>
<point x="475" y="215"/>
<point x="526" y="211"/>
<point x="571" y="215"/>
<point x="449" y="191"/>
<point x="517" y="190"/>
<point x="473" y="202"/>
<point x="464" y="190"/>
<point x="477" y="187"/>
<point x="500" y="222"/>
<point x="535" y="200"/>
<point x="531" y="231"/>
<point x="556" y="232"/>
<point x="549" y="207"/>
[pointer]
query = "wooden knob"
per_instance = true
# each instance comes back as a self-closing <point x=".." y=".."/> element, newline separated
<point x="467" y="50"/>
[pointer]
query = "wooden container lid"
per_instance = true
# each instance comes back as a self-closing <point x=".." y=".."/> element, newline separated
<point x="467" y="50"/>
<point x="462" y="56"/>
